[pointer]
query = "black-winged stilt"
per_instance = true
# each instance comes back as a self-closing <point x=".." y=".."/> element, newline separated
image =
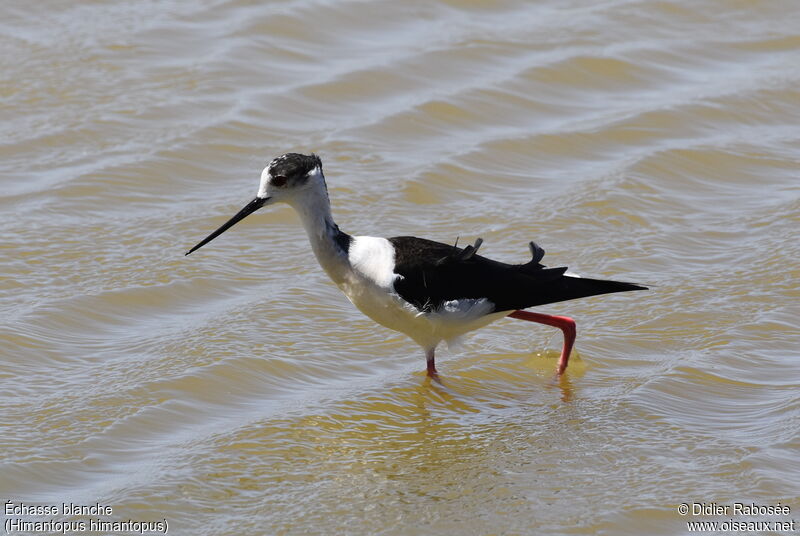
<point x="430" y="291"/>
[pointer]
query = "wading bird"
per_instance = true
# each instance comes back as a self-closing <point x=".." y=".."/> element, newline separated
<point x="428" y="290"/>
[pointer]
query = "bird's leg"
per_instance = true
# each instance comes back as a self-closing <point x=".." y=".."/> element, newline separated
<point x="564" y="323"/>
<point x="429" y="357"/>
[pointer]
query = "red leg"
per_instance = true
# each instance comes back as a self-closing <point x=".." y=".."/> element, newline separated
<point x="564" y="323"/>
<point x="429" y="357"/>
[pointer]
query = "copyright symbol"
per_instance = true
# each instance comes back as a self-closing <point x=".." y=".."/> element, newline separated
<point x="683" y="509"/>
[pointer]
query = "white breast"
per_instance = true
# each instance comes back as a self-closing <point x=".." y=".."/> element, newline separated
<point x="369" y="284"/>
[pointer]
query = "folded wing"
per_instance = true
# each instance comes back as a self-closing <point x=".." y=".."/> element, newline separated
<point x="432" y="273"/>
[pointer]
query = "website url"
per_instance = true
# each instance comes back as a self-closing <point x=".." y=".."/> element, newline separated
<point x="732" y="525"/>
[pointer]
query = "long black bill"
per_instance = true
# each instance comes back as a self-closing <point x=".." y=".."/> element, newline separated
<point x="249" y="208"/>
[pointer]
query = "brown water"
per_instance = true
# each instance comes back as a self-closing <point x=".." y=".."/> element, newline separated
<point x="237" y="391"/>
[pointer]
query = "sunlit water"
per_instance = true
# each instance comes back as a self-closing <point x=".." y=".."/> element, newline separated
<point x="236" y="391"/>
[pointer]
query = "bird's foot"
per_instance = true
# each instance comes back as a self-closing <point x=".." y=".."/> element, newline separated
<point x="430" y="360"/>
<point x="564" y="323"/>
<point x="432" y="373"/>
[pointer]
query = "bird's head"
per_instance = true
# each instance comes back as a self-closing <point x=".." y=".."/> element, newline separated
<point x="287" y="179"/>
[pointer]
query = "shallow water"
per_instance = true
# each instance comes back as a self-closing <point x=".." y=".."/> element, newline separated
<point x="236" y="391"/>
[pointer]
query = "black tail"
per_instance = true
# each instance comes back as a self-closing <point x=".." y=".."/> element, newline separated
<point x="570" y="288"/>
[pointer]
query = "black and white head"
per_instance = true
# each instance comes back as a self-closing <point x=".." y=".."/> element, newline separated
<point x="289" y="175"/>
<point x="291" y="178"/>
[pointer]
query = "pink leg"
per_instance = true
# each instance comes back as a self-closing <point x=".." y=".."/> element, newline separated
<point x="429" y="357"/>
<point x="564" y="323"/>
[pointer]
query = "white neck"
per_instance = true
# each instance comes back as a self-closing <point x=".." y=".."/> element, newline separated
<point x="314" y="209"/>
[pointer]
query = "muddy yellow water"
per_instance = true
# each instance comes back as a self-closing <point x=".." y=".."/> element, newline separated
<point x="236" y="391"/>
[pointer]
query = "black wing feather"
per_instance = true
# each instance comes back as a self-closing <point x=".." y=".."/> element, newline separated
<point x="433" y="273"/>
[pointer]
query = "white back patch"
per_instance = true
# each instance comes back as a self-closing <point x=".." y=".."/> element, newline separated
<point x="373" y="258"/>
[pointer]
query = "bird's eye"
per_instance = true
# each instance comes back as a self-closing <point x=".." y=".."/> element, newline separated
<point x="279" y="180"/>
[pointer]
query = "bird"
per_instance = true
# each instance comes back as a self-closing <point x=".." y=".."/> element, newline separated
<point x="430" y="291"/>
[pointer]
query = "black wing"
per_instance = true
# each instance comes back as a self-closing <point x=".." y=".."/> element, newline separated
<point x="433" y="273"/>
